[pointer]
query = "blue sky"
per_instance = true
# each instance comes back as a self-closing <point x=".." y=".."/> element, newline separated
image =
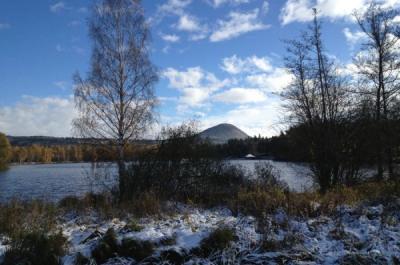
<point x="219" y="60"/>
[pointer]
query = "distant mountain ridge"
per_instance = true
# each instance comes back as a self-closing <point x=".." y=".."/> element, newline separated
<point x="222" y="133"/>
<point x="219" y="134"/>
<point x="52" y="141"/>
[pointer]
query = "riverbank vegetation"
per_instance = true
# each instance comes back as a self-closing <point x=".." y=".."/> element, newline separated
<point x="5" y="152"/>
<point x="72" y="153"/>
<point x="39" y="232"/>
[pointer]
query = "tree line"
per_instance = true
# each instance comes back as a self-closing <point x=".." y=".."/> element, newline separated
<point x="70" y="153"/>
<point x="344" y="118"/>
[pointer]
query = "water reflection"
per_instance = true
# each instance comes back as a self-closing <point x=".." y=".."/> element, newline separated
<point x="56" y="181"/>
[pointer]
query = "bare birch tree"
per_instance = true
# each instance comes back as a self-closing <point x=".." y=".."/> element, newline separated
<point x="116" y="100"/>
<point x="378" y="64"/>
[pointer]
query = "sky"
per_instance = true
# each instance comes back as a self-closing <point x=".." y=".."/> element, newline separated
<point x="219" y="61"/>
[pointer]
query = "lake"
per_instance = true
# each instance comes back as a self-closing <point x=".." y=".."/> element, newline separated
<point x="55" y="181"/>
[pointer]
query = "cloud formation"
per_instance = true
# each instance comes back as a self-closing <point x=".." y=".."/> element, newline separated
<point x="218" y="3"/>
<point x="236" y="65"/>
<point x="240" y="95"/>
<point x="257" y="72"/>
<point x="301" y="10"/>
<point x="248" y="94"/>
<point x="353" y="37"/>
<point x="195" y="84"/>
<point x="253" y="119"/>
<point x="170" y="37"/>
<point x="57" y="7"/>
<point x="236" y="24"/>
<point x="49" y="116"/>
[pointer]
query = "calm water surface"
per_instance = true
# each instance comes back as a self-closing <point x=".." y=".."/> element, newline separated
<point x="55" y="181"/>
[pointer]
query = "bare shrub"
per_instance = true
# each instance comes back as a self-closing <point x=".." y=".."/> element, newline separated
<point x="184" y="168"/>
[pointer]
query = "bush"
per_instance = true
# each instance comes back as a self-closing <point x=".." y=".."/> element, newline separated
<point x="268" y="177"/>
<point x="18" y="217"/>
<point x="258" y="201"/>
<point x="35" y="248"/>
<point x="218" y="240"/>
<point x="146" y="203"/>
<point x="136" y="249"/>
<point x="106" y="248"/>
<point x="184" y="168"/>
<point x="103" y="203"/>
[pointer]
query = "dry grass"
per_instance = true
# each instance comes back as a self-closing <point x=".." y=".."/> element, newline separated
<point x="18" y="217"/>
<point x="258" y="201"/>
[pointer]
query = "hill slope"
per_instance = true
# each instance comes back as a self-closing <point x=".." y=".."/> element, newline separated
<point x="222" y="133"/>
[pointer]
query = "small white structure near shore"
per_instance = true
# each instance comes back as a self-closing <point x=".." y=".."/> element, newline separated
<point x="250" y="156"/>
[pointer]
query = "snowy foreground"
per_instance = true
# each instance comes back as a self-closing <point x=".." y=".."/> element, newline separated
<point x="362" y="235"/>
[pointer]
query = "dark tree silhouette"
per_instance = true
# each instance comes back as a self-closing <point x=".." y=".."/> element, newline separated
<point x="379" y="68"/>
<point x="317" y="99"/>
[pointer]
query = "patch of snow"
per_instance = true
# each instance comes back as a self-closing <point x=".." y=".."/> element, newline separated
<point x="322" y="240"/>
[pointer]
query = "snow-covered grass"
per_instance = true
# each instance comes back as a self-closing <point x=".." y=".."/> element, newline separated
<point x="367" y="234"/>
<point x="362" y="226"/>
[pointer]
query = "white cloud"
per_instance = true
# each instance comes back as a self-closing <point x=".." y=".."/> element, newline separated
<point x="273" y="82"/>
<point x="240" y="95"/>
<point x="218" y="3"/>
<point x="195" y="84"/>
<point x="353" y="37"/>
<point x="170" y="37"/>
<point x="349" y="69"/>
<point x="237" y="24"/>
<point x="4" y="26"/>
<point x="335" y="9"/>
<point x="265" y="7"/>
<point x="255" y="119"/>
<point x="245" y="94"/>
<point x="188" y="23"/>
<point x="49" y="116"/>
<point x="296" y="10"/>
<point x="301" y="10"/>
<point x="257" y="72"/>
<point x="57" y="7"/>
<point x="236" y="65"/>
<point x="175" y="7"/>
<point x="192" y="25"/>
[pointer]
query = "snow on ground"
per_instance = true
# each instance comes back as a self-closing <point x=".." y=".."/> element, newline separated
<point x="353" y="234"/>
<point x="359" y="235"/>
